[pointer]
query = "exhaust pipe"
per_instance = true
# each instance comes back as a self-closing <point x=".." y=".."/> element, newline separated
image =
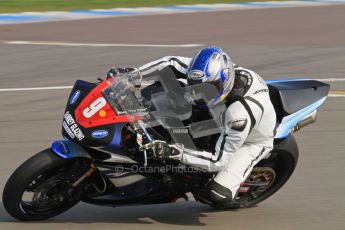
<point x="311" y="118"/>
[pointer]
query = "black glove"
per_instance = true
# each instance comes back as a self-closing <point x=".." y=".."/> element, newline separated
<point x="161" y="149"/>
<point x="164" y="151"/>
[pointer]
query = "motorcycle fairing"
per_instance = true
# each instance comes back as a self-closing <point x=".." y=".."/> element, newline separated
<point x="290" y="121"/>
<point x="84" y="89"/>
<point x="293" y="95"/>
<point x="68" y="149"/>
<point x="104" y="115"/>
<point x="115" y="144"/>
<point x="294" y="100"/>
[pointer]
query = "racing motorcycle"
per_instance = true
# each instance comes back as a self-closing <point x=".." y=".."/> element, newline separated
<point x="107" y="158"/>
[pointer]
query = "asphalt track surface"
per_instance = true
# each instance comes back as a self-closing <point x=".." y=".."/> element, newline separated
<point x="277" y="43"/>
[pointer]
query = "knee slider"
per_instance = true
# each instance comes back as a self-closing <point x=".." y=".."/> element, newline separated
<point x="218" y="193"/>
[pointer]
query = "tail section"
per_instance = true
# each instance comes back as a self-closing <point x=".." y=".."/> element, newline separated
<point x="295" y="102"/>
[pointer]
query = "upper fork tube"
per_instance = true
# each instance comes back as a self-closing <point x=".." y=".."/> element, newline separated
<point x="145" y="131"/>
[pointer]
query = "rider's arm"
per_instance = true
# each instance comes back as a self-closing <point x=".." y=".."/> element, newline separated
<point x="180" y="64"/>
<point x="237" y="125"/>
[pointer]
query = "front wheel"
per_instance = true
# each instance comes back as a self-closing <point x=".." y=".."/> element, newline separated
<point x="40" y="188"/>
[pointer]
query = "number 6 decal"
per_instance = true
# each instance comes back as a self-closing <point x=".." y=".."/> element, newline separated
<point x="94" y="107"/>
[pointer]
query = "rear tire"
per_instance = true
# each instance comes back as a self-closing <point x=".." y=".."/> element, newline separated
<point x="43" y="163"/>
<point x="283" y="166"/>
<point x="283" y="161"/>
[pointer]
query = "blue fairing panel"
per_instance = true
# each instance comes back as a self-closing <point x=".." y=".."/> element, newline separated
<point x="286" y="80"/>
<point x="68" y="149"/>
<point x="290" y="121"/>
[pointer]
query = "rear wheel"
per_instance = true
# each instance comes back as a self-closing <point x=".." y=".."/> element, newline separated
<point x="267" y="178"/>
<point x="41" y="187"/>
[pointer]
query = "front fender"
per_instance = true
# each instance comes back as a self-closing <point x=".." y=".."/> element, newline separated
<point x="68" y="149"/>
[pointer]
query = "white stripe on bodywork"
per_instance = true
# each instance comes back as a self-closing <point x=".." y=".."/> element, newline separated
<point x="47" y="43"/>
<point x="330" y="79"/>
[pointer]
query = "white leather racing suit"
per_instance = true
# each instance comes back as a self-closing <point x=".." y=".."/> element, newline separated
<point x="249" y="123"/>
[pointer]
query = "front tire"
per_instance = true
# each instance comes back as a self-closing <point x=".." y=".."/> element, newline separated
<point x="44" y="173"/>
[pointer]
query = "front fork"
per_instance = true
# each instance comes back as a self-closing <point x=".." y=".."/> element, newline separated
<point x="89" y="172"/>
<point x="68" y="150"/>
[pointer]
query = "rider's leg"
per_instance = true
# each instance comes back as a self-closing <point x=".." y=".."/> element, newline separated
<point x="222" y="189"/>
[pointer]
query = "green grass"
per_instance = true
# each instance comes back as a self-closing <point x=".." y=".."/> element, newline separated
<point x="13" y="6"/>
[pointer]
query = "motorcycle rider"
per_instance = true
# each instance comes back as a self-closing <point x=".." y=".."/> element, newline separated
<point x="249" y="121"/>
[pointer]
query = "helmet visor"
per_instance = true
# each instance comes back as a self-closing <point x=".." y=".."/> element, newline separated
<point x="217" y="83"/>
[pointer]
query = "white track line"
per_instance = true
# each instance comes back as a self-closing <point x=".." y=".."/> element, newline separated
<point x="70" y="87"/>
<point x="35" y="88"/>
<point x="336" y="95"/>
<point x="46" y="43"/>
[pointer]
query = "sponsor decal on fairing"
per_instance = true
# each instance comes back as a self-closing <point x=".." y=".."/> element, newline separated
<point x="72" y="127"/>
<point x="99" y="134"/>
<point x="74" y="97"/>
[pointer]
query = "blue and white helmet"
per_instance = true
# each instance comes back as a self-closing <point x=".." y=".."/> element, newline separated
<point x="212" y="65"/>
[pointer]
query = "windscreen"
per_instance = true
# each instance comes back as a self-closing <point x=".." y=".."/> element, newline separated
<point x="163" y="100"/>
<point x="124" y="95"/>
<point x="133" y="93"/>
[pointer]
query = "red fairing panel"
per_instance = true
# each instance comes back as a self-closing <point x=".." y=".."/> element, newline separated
<point x="94" y="110"/>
